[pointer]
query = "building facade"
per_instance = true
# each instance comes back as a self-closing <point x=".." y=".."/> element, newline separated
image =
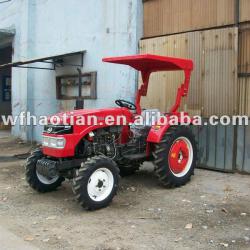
<point x="44" y="28"/>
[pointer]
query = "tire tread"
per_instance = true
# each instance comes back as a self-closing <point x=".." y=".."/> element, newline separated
<point x="164" y="174"/>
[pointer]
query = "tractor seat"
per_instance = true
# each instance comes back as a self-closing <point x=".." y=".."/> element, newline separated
<point x="149" y="116"/>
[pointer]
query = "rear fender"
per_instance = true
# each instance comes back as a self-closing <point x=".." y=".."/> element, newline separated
<point x="157" y="132"/>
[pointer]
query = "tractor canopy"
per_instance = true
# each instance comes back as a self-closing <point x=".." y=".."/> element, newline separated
<point x="152" y="63"/>
<point x="148" y="64"/>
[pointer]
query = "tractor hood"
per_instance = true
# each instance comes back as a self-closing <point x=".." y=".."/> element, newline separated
<point x="69" y="117"/>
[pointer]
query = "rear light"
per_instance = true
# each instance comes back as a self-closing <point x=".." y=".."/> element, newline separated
<point x="54" y="142"/>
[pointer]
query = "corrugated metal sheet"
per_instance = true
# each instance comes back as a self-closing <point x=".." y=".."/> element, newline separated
<point x="213" y="89"/>
<point x="152" y="18"/>
<point x="244" y="10"/>
<point x="243" y="149"/>
<point x="216" y="147"/>
<point x="244" y="96"/>
<point x="244" y="68"/>
<point x="244" y="48"/>
<point x="220" y="81"/>
<point x="162" y="17"/>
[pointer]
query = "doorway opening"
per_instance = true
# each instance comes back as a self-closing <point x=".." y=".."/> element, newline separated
<point x="5" y="86"/>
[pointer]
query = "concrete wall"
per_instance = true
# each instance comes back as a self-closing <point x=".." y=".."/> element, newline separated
<point x="51" y="27"/>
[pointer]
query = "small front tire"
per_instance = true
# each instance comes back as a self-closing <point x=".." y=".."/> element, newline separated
<point x="37" y="181"/>
<point x="96" y="182"/>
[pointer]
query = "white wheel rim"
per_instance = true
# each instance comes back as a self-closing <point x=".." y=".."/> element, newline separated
<point x="190" y="159"/>
<point x="100" y="184"/>
<point x="45" y="180"/>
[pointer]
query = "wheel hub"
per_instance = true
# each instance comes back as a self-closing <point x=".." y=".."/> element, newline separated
<point x="180" y="155"/>
<point x="100" y="184"/>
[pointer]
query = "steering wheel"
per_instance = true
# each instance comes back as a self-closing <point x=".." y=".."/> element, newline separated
<point x="125" y="104"/>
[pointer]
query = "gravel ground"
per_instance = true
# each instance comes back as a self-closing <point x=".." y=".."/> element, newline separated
<point x="210" y="212"/>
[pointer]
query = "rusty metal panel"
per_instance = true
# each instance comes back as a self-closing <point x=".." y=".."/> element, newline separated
<point x="163" y="17"/>
<point x="244" y="10"/>
<point x="220" y="81"/>
<point x="177" y="16"/>
<point x="244" y="48"/>
<point x="244" y="69"/>
<point x="213" y="89"/>
<point x="152" y="18"/>
<point x="244" y="95"/>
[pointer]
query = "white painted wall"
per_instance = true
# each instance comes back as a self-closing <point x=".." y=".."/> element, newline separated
<point x="50" y="27"/>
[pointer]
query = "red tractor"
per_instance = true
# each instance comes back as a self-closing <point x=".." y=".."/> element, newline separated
<point x="94" y="155"/>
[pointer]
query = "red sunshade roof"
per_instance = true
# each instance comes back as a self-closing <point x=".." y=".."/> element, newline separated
<point x="152" y="62"/>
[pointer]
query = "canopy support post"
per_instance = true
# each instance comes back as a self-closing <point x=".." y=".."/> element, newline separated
<point x="142" y="91"/>
<point x="182" y="91"/>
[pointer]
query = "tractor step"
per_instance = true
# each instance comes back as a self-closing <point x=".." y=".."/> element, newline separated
<point x="135" y="157"/>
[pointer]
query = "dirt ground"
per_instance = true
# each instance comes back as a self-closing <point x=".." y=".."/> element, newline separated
<point x="211" y="212"/>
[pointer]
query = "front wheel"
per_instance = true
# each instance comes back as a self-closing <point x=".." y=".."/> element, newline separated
<point x="36" y="180"/>
<point x="96" y="182"/>
<point x="175" y="157"/>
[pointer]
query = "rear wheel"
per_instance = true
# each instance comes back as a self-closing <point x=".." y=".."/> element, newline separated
<point x="96" y="182"/>
<point x="175" y="157"/>
<point x="37" y="181"/>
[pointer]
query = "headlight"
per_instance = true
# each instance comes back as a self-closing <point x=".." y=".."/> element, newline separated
<point x="54" y="142"/>
<point x="60" y="143"/>
<point x="46" y="141"/>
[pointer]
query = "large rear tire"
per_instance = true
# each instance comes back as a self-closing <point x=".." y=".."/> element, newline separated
<point x="37" y="181"/>
<point x="175" y="157"/>
<point x="96" y="182"/>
